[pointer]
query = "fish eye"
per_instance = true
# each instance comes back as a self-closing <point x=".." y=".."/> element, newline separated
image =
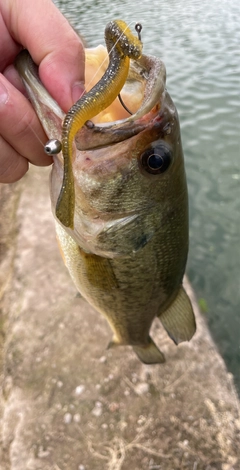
<point x="156" y="159"/>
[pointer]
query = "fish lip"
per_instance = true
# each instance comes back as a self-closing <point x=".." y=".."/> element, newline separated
<point x="48" y="110"/>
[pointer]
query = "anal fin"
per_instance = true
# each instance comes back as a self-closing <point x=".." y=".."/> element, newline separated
<point x="178" y="320"/>
<point x="149" y="354"/>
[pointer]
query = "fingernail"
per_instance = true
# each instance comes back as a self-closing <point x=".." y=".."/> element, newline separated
<point x="3" y="94"/>
<point x="77" y="91"/>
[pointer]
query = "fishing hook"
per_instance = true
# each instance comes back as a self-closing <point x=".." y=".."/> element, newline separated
<point x="123" y="104"/>
<point x="138" y="29"/>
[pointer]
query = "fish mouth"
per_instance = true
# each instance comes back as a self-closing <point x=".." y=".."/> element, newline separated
<point x="146" y="79"/>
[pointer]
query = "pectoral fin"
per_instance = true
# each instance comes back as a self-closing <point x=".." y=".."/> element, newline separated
<point x="99" y="271"/>
<point x="85" y="268"/>
<point x="131" y="229"/>
<point x="178" y="320"/>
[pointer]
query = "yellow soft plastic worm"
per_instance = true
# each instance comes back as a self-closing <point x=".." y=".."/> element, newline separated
<point x="121" y="45"/>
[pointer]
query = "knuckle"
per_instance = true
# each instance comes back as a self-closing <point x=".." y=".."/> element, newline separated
<point x="73" y="42"/>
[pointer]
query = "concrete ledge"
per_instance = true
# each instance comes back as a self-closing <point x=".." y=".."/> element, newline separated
<point x="68" y="404"/>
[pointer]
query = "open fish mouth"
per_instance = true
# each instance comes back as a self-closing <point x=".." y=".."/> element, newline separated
<point x="144" y="89"/>
<point x="142" y="92"/>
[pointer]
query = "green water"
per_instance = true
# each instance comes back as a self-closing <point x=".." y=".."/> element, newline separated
<point x="199" y="42"/>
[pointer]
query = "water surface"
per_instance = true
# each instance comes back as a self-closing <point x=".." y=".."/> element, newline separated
<point x="199" y="42"/>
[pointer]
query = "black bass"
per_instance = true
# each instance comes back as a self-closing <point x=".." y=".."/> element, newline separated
<point x="119" y="194"/>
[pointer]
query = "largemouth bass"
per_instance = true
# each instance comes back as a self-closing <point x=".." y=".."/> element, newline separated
<point x="125" y="242"/>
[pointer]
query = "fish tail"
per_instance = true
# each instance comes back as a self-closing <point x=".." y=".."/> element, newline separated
<point x="178" y="320"/>
<point x="149" y="354"/>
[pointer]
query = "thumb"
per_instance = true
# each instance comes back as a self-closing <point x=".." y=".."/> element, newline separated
<point x="53" y="45"/>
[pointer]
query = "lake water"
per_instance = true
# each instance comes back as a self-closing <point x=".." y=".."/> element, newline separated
<point x="199" y="42"/>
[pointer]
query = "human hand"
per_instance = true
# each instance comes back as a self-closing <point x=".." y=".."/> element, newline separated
<point x="39" y="27"/>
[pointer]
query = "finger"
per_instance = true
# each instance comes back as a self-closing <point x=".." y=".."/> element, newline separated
<point x="12" y="165"/>
<point x="19" y="125"/>
<point x="53" y="45"/>
<point x="8" y="47"/>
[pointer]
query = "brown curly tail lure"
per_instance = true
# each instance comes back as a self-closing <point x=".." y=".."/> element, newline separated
<point x="121" y="45"/>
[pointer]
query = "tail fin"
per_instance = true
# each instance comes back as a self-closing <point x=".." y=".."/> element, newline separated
<point x="149" y="354"/>
<point x="178" y="320"/>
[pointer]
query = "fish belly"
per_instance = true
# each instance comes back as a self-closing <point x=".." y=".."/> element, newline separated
<point x="113" y="287"/>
